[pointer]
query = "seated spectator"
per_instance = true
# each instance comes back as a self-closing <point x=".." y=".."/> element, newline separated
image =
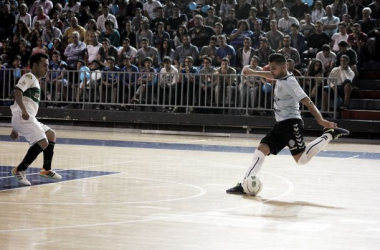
<point x="338" y="37"/>
<point x="101" y="21"/>
<point x="75" y="50"/>
<point x="367" y="23"/>
<point x="345" y="77"/>
<point x="290" y="64"/>
<point x="85" y="15"/>
<point x="108" y="88"/>
<point x="375" y="8"/>
<point x="22" y="32"/>
<point x="345" y="50"/>
<point x="209" y="50"/>
<point x="150" y="8"/>
<point x="250" y="86"/>
<point x="146" y="51"/>
<point x="24" y="15"/>
<point x="41" y="17"/>
<point x="40" y="48"/>
<point x="257" y="34"/>
<point x="330" y="22"/>
<point x="200" y="33"/>
<point x="313" y="86"/>
<point x="242" y="9"/>
<point x="299" y="9"/>
<point x="278" y="6"/>
<point x="357" y="41"/>
<point x="7" y="22"/>
<point x="316" y="41"/>
<point x="339" y="8"/>
<point x="131" y="8"/>
<point x="136" y="21"/>
<point x="225" y="51"/>
<point x="274" y="36"/>
<point x="218" y="28"/>
<point x="225" y="83"/>
<point x="68" y="37"/>
<point x="317" y="12"/>
<point x="176" y="20"/>
<point x="355" y="10"/>
<point x="297" y="39"/>
<point x="24" y="52"/>
<point x="159" y="36"/>
<point x="129" y="80"/>
<point x="107" y="50"/>
<point x="143" y="32"/>
<point x="35" y="34"/>
<point x="211" y="20"/>
<point x="57" y="45"/>
<point x="50" y="33"/>
<point x="286" y="21"/>
<point x="46" y="5"/>
<point x="188" y="88"/>
<point x="90" y="29"/>
<point x="6" y="52"/>
<point x="56" y="21"/>
<point x="264" y="52"/>
<point x="230" y="23"/>
<point x="252" y="19"/>
<point x="56" y="77"/>
<point x="93" y="48"/>
<point x="127" y="51"/>
<point x="160" y="18"/>
<point x="290" y="52"/>
<point x="349" y="23"/>
<point x="180" y="32"/>
<point x="373" y="45"/>
<point x="328" y="59"/>
<point x="308" y="27"/>
<point x="262" y="11"/>
<point x="128" y="33"/>
<point x="111" y="33"/>
<point x="187" y="49"/>
<point x="165" y="50"/>
<point x="237" y="35"/>
<point x="72" y="5"/>
<point x="147" y="83"/>
<point x="244" y="55"/>
<point x="207" y="82"/>
<point x="225" y="7"/>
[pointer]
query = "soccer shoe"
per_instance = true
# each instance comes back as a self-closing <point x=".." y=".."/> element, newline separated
<point x="51" y="174"/>
<point x="336" y="132"/>
<point x="238" y="189"/>
<point x="21" y="177"/>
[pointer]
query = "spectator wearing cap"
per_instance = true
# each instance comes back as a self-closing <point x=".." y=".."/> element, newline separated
<point x="146" y="51"/>
<point x="75" y="50"/>
<point x="338" y="37"/>
<point x="150" y="8"/>
<point x="230" y="23"/>
<point x="127" y="50"/>
<point x="286" y="21"/>
<point x="101" y="21"/>
<point x="175" y="20"/>
<point x="344" y="49"/>
<point x="93" y="48"/>
<point x="200" y="33"/>
<point x="274" y="36"/>
<point x="264" y="52"/>
<point x="367" y="23"/>
<point x="186" y="49"/>
<point x="46" y="5"/>
<point x="211" y="20"/>
<point x="298" y="9"/>
<point x="111" y="33"/>
<point x="242" y="9"/>
<point x="244" y="54"/>
<point x="330" y="22"/>
<point x="7" y="22"/>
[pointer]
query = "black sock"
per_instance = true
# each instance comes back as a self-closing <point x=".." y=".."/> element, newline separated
<point x="48" y="155"/>
<point x="30" y="156"/>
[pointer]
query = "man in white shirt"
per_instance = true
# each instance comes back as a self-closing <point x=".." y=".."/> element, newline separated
<point x="168" y="80"/>
<point x="92" y="49"/>
<point x="286" y="21"/>
<point x="340" y="36"/>
<point x="150" y="8"/>
<point x="343" y="77"/>
<point x="100" y="22"/>
<point x="327" y="57"/>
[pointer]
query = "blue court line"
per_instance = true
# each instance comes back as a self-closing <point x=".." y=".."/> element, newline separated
<point x="195" y="147"/>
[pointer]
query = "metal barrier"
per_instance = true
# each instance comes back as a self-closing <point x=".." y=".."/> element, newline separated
<point x="200" y="93"/>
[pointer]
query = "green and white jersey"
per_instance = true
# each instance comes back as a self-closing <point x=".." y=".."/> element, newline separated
<point x="30" y="87"/>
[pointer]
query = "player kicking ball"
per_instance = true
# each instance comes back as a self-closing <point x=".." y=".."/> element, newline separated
<point x="40" y="137"/>
<point x="288" y="130"/>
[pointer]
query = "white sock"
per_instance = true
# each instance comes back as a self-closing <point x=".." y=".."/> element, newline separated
<point x="257" y="163"/>
<point x="314" y="148"/>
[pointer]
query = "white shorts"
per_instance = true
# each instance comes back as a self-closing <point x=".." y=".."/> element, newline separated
<point x="33" y="130"/>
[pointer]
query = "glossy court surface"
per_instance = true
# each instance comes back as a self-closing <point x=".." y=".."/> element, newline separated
<point x="132" y="190"/>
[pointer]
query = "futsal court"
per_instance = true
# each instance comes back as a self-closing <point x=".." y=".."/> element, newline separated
<point x="135" y="190"/>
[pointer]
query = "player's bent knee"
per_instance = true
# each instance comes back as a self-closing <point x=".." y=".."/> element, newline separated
<point x="303" y="160"/>
<point x="43" y="144"/>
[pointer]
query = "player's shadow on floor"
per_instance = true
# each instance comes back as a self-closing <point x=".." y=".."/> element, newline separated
<point x="295" y="203"/>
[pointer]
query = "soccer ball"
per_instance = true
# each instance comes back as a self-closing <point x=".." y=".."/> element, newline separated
<point x="252" y="185"/>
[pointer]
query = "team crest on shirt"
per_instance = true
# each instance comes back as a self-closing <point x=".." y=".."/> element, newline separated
<point x="29" y="76"/>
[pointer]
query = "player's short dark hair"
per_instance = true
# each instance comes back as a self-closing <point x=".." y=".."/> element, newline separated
<point x="35" y="59"/>
<point x="277" y="58"/>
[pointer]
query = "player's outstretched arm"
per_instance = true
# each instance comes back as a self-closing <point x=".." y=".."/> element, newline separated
<point x="317" y="115"/>
<point x="265" y="74"/>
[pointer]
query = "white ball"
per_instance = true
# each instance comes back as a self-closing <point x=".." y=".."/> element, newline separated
<point x="252" y="185"/>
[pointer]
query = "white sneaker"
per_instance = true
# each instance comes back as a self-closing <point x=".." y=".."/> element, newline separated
<point x="21" y="177"/>
<point x="51" y="174"/>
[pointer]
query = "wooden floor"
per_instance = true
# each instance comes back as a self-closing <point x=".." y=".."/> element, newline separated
<point x="141" y="191"/>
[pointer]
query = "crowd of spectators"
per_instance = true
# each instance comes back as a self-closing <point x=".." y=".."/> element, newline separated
<point x="180" y="40"/>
